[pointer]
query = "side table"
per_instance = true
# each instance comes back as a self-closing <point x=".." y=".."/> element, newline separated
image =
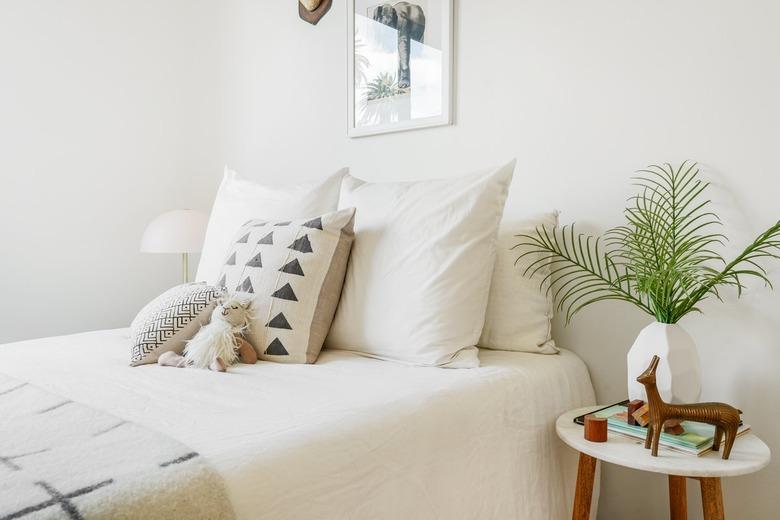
<point x="749" y="454"/>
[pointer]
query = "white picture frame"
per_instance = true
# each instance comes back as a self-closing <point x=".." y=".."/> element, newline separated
<point x="376" y="105"/>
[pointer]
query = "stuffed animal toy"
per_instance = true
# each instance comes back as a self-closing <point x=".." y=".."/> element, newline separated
<point x="218" y="344"/>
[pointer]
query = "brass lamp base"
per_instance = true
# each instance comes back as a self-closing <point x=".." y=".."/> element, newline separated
<point x="185" y="267"/>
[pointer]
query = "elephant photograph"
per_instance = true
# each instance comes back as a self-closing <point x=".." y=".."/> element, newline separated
<point x="400" y="65"/>
<point x="409" y="20"/>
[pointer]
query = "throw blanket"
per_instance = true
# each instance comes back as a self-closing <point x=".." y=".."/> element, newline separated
<point x="61" y="459"/>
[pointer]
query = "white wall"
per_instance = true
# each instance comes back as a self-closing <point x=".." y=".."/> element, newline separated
<point x="582" y="93"/>
<point x="109" y="115"/>
<point x="107" y="118"/>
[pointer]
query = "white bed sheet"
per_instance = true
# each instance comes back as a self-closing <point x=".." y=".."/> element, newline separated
<point x="348" y="437"/>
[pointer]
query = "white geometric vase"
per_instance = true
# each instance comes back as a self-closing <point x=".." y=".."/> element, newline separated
<point x="679" y="373"/>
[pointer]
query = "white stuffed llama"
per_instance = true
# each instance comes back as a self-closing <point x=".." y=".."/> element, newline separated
<point x="218" y="345"/>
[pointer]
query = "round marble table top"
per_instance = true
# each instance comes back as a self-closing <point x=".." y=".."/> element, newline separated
<point x="749" y="453"/>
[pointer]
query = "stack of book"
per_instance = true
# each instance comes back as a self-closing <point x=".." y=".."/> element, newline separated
<point x="696" y="440"/>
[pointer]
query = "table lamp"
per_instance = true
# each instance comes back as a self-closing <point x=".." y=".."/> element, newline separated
<point x="179" y="231"/>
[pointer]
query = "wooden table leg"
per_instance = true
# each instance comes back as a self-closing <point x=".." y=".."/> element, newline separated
<point x="678" y="499"/>
<point x="586" y="472"/>
<point x="711" y="498"/>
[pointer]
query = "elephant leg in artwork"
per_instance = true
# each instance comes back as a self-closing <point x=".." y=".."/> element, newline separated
<point x="407" y="31"/>
<point x="404" y="74"/>
<point x="409" y="20"/>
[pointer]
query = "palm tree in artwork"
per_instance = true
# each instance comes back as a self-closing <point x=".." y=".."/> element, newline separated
<point x="382" y="86"/>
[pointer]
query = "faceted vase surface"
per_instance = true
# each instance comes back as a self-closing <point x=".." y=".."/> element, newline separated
<point x="679" y="373"/>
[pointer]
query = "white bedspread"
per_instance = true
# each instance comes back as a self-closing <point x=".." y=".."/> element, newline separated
<point x="348" y="437"/>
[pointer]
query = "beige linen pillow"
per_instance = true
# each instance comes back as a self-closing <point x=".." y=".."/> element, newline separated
<point x="294" y="270"/>
<point x="519" y="313"/>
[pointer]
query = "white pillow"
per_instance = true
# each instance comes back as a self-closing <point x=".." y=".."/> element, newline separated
<point x="239" y="200"/>
<point x="519" y="314"/>
<point x="418" y="279"/>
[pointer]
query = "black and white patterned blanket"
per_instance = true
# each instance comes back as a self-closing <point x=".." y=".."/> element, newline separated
<point x="61" y="459"/>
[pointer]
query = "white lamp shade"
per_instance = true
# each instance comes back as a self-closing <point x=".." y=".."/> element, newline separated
<point x="178" y="231"/>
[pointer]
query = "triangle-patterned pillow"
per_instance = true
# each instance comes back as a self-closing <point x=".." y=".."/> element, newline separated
<point x="294" y="271"/>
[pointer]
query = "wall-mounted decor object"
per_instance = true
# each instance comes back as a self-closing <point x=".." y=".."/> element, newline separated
<point x="724" y="417"/>
<point x="313" y="10"/>
<point x="399" y="65"/>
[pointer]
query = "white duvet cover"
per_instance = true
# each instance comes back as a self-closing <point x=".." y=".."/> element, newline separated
<point x="347" y="437"/>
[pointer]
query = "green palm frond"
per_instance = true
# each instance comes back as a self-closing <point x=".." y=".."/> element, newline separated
<point x="584" y="270"/>
<point x="663" y="260"/>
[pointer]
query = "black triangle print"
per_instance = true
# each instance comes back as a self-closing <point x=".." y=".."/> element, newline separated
<point x="285" y="293"/>
<point x="246" y="286"/>
<point x="223" y="281"/>
<point x="255" y="262"/>
<point x="276" y="349"/>
<point x="302" y="244"/>
<point x="293" y="267"/>
<point x="267" y="240"/>
<point x="243" y="240"/>
<point x="279" y="322"/>
<point x="231" y="260"/>
<point x="314" y="223"/>
<point x="282" y="223"/>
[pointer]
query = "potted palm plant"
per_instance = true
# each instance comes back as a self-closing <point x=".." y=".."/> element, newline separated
<point x="664" y="260"/>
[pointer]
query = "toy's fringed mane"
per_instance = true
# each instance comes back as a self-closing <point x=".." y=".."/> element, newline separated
<point x="217" y="339"/>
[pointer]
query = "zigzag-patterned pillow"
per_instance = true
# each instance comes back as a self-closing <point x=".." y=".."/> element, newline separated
<point x="294" y="271"/>
<point x="170" y="320"/>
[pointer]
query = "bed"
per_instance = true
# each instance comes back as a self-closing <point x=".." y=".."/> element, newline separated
<point x="347" y="437"/>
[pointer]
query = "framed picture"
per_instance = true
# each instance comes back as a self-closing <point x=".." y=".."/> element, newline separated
<point x="399" y="65"/>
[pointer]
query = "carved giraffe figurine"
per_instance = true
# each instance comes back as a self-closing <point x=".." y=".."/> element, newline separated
<point x="724" y="417"/>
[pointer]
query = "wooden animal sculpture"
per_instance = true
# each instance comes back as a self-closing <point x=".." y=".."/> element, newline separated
<point x="724" y="417"/>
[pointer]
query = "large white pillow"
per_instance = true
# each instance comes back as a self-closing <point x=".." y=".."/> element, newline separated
<point x="239" y="200"/>
<point x="519" y="312"/>
<point x="417" y="283"/>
